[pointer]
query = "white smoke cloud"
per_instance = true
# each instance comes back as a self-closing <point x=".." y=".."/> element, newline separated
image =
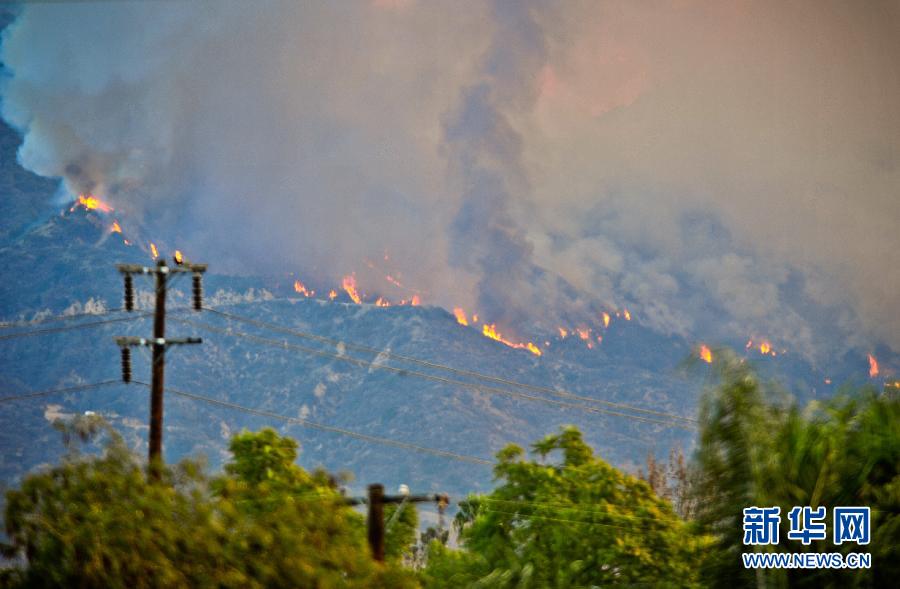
<point x="719" y="168"/>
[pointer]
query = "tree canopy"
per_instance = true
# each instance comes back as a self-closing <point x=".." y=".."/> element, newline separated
<point x="572" y="521"/>
<point x="97" y="521"/>
<point x="759" y="448"/>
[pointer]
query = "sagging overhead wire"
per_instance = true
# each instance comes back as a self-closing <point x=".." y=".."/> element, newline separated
<point x="459" y="371"/>
<point x="55" y="318"/>
<point x="47" y="330"/>
<point x="59" y="391"/>
<point x="324" y="427"/>
<point x="440" y="379"/>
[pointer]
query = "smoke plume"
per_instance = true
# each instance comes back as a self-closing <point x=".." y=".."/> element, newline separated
<point x="721" y="169"/>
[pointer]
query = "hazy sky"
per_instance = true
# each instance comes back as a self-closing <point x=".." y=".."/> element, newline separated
<point x="724" y="169"/>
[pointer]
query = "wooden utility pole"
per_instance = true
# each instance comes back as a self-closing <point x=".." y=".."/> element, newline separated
<point x="158" y="372"/>
<point x="375" y="520"/>
<point x="158" y="343"/>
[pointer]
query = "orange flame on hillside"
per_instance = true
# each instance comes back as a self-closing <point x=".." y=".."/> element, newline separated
<point x="332" y="295"/>
<point x="91" y="203"/>
<point x="381" y="302"/>
<point x="605" y="319"/>
<point x="764" y="348"/>
<point x="349" y="286"/>
<point x="627" y="315"/>
<point x="583" y="333"/>
<point x="153" y="251"/>
<point x="415" y="301"/>
<point x="705" y="354"/>
<point x="491" y="332"/>
<point x="533" y="349"/>
<point x="179" y="257"/>
<point x="563" y="333"/>
<point x="115" y="227"/>
<point x="460" y="316"/>
<point x="301" y="288"/>
<point x="873" y="366"/>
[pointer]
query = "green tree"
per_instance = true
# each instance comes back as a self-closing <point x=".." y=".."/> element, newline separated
<point x="575" y="522"/>
<point x="96" y="521"/>
<point x="758" y="447"/>
<point x="401" y="528"/>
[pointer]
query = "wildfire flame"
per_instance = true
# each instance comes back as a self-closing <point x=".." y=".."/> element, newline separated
<point x="705" y="354"/>
<point x="115" y="227"/>
<point x="91" y="203"/>
<point x="153" y="251"/>
<point x="349" y="286"/>
<point x="179" y="257"/>
<point x="490" y="330"/>
<point x="873" y="366"/>
<point x="764" y="347"/>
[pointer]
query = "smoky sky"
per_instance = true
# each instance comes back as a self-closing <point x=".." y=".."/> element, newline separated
<point x="721" y="169"/>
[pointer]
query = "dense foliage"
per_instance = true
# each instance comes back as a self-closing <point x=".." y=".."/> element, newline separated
<point x="97" y="521"/>
<point x="575" y="522"/>
<point x="757" y="447"/>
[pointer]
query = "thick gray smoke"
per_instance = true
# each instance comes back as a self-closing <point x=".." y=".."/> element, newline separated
<point x="721" y="169"/>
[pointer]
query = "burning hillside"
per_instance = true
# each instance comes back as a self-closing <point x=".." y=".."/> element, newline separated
<point x="389" y="291"/>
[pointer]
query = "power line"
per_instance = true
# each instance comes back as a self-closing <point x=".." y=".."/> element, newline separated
<point x="64" y="390"/>
<point x="9" y="336"/>
<point x="324" y="427"/>
<point x="460" y="371"/>
<point x="559" y="507"/>
<point x="55" y="318"/>
<point x="431" y="377"/>
<point x="570" y="521"/>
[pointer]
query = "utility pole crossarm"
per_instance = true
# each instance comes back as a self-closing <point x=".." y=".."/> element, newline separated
<point x="431" y="498"/>
<point x="171" y="341"/>
<point x="180" y="269"/>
